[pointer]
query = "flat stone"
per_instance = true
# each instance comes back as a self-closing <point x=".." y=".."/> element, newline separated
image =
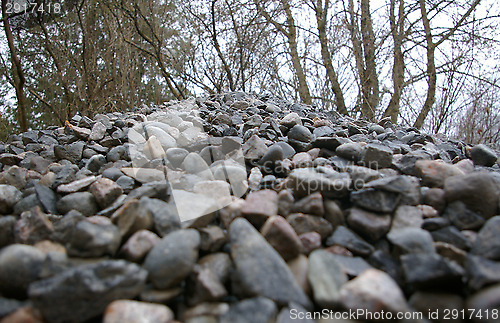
<point x="173" y="258"/>
<point x="376" y="200"/>
<point x="83" y="202"/>
<point x="348" y="239"/>
<point x="412" y="240"/>
<point x="351" y="266"/>
<point x="435" y="172"/>
<point x="487" y="243"/>
<point x="9" y="196"/>
<point x="431" y="270"/>
<point x="77" y="185"/>
<point x="20" y="265"/>
<point x="407" y="216"/>
<point x="258" y="309"/>
<point x="83" y="292"/>
<point x="368" y="224"/>
<point x="478" y="190"/>
<point x="376" y="156"/>
<point x="282" y="237"/>
<point x="260" y="205"/>
<point x="105" y="191"/>
<point x="127" y="311"/>
<point x="303" y="223"/>
<point x="138" y="245"/>
<point x="483" y="155"/>
<point x="326" y="278"/>
<point x="373" y="291"/>
<point x="259" y="269"/>
<point x="451" y="235"/>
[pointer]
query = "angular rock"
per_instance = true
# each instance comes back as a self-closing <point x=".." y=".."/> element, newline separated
<point x="376" y="156"/>
<point x="463" y="218"/>
<point x="376" y="200"/>
<point x="258" y="310"/>
<point x="139" y="245"/>
<point x="93" y="240"/>
<point x="127" y="311"/>
<point x="303" y="223"/>
<point x="435" y="172"/>
<point x="368" y="224"/>
<point x="83" y="202"/>
<point x="105" y="191"/>
<point x="83" y="292"/>
<point x="173" y="258"/>
<point x="165" y="215"/>
<point x="373" y="291"/>
<point x="260" y="205"/>
<point x="487" y="299"/>
<point x="487" y="243"/>
<point x="481" y="272"/>
<point x="411" y="240"/>
<point x="348" y="239"/>
<point x="326" y="278"/>
<point x="259" y="269"/>
<point x="132" y="217"/>
<point x="310" y="241"/>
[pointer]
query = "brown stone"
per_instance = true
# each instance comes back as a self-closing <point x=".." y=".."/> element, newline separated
<point x="282" y="237"/>
<point x="259" y="206"/>
<point x="127" y="311"/>
<point x="138" y="245"/>
<point x="105" y="191"/>
<point x="435" y="172"/>
<point x="310" y="241"/>
<point x="303" y="223"/>
<point x="311" y="204"/>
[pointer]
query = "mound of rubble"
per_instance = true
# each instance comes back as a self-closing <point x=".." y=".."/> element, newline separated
<point x="245" y="208"/>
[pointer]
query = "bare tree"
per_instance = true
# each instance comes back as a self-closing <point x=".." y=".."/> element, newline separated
<point x="17" y="71"/>
<point x="289" y="30"/>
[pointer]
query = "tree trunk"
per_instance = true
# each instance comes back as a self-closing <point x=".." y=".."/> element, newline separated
<point x="17" y="71"/>
<point x="304" y="93"/>
<point x="431" y="69"/>
<point x="371" y="79"/>
<point x="398" y="69"/>
<point x="321" y="16"/>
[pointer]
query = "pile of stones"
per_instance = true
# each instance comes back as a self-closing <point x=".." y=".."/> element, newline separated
<point x="245" y="208"/>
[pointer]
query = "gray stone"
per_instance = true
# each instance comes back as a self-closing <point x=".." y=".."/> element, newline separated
<point x="368" y="224"/>
<point x="32" y="227"/>
<point x="252" y="310"/>
<point x="7" y="230"/>
<point x="487" y="243"/>
<point x="330" y="184"/>
<point x="83" y="292"/>
<point x="326" y="278"/>
<point x="291" y="120"/>
<point x="350" y="151"/>
<point x="463" y="218"/>
<point x="431" y="270"/>
<point x="373" y="291"/>
<point x="126" y="183"/>
<point x="352" y="266"/>
<point x="173" y="258"/>
<point x="348" y="239"/>
<point x="407" y="216"/>
<point x="138" y="245"/>
<point x="165" y="215"/>
<point x="300" y="133"/>
<point x="376" y="156"/>
<point x="47" y="198"/>
<point x="9" y="196"/>
<point x="83" y="202"/>
<point x="483" y="155"/>
<point x="259" y="269"/>
<point x="20" y="265"/>
<point x="452" y="236"/>
<point x="254" y="148"/>
<point x="132" y="217"/>
<point x="412" y="240"/>
<point x="93" y="240"/>
<point x="376" y="200"/>
<point x="77" y="185"/>
<point x="303" y="223"/>
<point x="478" y="190"/>
<point x="481" y="272"/>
